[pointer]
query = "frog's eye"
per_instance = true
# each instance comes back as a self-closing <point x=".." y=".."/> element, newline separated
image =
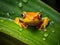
<point x="23" y="15"/>
<point x="39" y="15"/>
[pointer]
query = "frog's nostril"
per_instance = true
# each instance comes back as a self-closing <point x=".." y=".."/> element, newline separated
<point x="34" y="19"/>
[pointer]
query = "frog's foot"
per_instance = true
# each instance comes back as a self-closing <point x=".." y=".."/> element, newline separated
<point x="24" y="25"/>
<point x="43" y="27"/>
<point x="20" y="23"/>
<point x="44" y="23"/>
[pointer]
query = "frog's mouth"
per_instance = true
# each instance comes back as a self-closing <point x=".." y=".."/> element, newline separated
<point x="33" y="23"/>
<point x="25" y="21"/>
<point x="30" y="22"/>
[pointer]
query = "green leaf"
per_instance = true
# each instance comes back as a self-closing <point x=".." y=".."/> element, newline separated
<point x="9" y="9"/>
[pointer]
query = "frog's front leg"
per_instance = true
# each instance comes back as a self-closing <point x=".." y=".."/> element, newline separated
<point x="44" y="23"/>
<point x="20" y="23"/>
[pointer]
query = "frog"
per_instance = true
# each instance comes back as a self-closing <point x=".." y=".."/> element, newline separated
<point x="32" y="19"/>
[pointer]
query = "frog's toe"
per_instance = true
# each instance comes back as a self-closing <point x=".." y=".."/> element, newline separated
<point x="45" y="30"/>
<point x="39" y="29"/>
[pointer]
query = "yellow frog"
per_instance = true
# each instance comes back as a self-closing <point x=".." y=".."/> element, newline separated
<point x="32" y="19"/>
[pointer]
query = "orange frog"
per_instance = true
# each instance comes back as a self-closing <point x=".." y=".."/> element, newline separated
<point x="32" y="19"/>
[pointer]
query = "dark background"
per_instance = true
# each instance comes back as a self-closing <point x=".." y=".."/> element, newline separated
<point x="54" y="4"/>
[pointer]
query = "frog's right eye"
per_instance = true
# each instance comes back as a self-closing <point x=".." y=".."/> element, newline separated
<point x="23" y="15"/>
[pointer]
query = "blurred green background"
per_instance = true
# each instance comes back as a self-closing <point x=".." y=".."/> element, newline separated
<point x="53" y="3"/>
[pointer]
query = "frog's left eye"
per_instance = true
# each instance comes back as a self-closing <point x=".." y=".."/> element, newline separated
<point x="39" y="16"/>
<point x="23" y="15"/>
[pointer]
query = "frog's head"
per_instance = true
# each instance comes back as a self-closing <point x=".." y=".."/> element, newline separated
<point x="31" y="17"/>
